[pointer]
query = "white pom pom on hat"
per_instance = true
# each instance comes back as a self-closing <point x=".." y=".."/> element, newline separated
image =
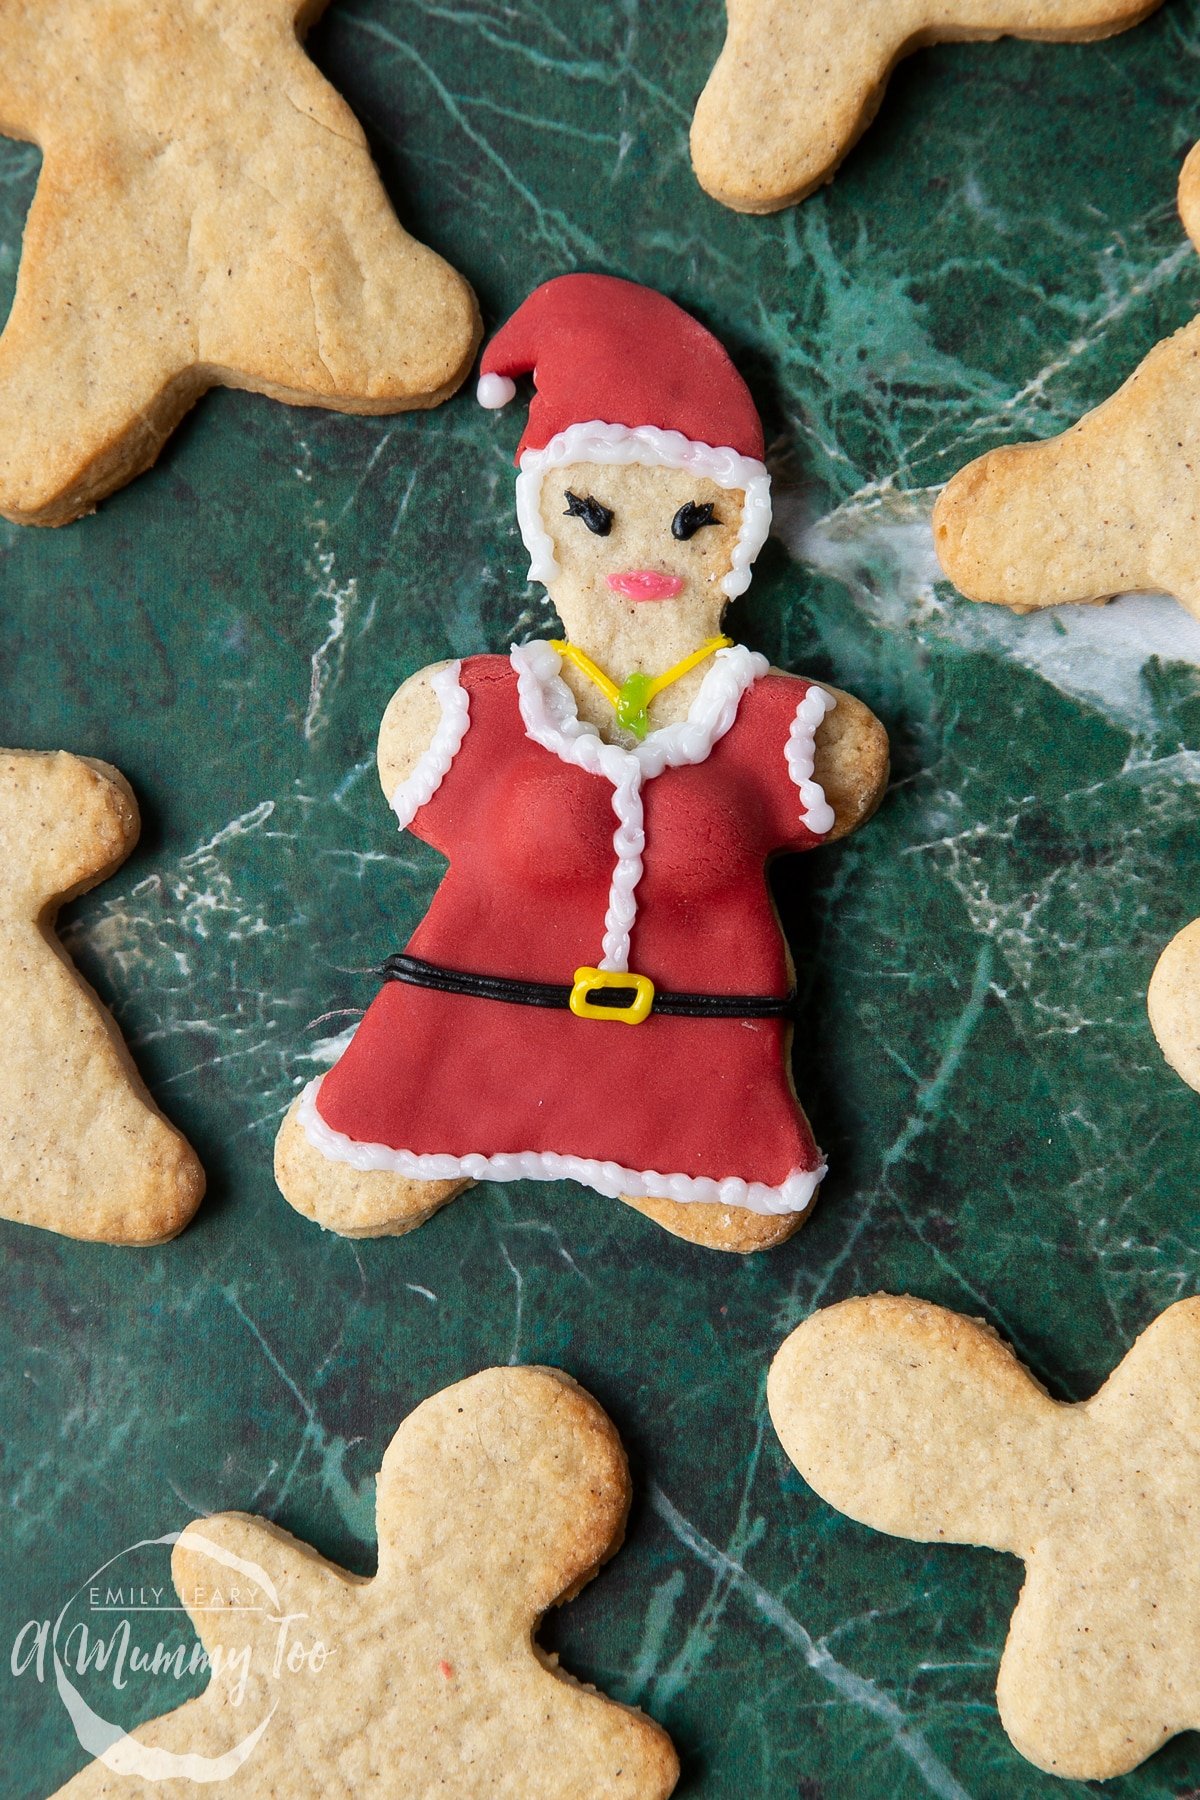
<point x="495" y="391"/>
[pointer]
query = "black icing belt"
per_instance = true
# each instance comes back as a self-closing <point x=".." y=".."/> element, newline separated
<point x="419" y="973"/>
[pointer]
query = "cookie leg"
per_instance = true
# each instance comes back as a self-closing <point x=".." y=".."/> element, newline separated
<point x="765" y="133"/>
<point x="1104" y="509"/>
<point x="328" y="301"/>
<point x="1107" y="507"/>
<point x="83" y="1149"/>
<point x="96" y="362"/>
<point x="352" y="1202"/>
<point x="733" y="1228"/>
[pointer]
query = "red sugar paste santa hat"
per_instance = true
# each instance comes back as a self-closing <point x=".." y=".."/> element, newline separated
<point x="623" y="375"/>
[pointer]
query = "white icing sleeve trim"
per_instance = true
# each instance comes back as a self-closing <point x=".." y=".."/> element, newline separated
<point x="795" y="1195"/>
<point x="800" y="756"/>
<point x="433" y="764"/>
<point x="594" y="441"/>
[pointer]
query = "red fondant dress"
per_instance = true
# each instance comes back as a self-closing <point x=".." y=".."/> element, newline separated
<point x="566" y="852"/>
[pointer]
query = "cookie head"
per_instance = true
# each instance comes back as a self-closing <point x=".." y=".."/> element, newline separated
<point x="639" y="539"/>
<point x="642" y="479"/>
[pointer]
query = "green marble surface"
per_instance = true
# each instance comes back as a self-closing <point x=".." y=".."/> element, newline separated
<point x="1004" y="1137"/>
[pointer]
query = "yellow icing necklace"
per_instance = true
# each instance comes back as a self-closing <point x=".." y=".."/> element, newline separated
<point x="631" y="701"/>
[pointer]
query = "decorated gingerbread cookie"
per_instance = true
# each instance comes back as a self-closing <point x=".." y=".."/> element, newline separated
<point x="924" y="1424"/>
<point x="498" y="1498"/>
<point x="1108" y="507"/>
<point x="799" y="81"/>
<point x="208" y="213"/>
<point x="600" y="990"/>
<point x="83" y="1150"/>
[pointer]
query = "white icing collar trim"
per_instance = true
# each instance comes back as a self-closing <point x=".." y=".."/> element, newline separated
<point x="594" y="441"/>
<point x="795" y="1195"/>
<point x="551" y="716"/>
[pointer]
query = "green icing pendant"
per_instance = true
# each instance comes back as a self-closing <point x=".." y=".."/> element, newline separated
<point x="633" y="699"/>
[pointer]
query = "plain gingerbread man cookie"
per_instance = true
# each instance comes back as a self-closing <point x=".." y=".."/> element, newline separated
<point x="207" y="214"/>
<point x="1108" y="507"/>
<point x="498" y="1498"/>
<point x="917" y="1422"/>
<point x="799" y="81"/>
<point x="83" y="1150"/>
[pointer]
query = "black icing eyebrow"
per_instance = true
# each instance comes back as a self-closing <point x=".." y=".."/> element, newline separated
<point x="692" y="518"/>
<point x="597" y="518"/>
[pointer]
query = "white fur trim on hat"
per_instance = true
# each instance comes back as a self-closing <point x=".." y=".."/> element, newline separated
<point x="646" y="444"/>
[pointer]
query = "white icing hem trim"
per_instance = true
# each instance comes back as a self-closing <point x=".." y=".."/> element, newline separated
<point x="800" y="756"/>
<point x="551" y="719"/>
<point x="433" y="765"/>
<point x="597" y="442"/>
<point x="609" y="1178"/>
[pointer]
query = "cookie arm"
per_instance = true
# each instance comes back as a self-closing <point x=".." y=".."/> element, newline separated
<point x="851" y="762"/>
<point x="822" y="758"/>
<point x="239" y="1576"/>
<point x="1082" y="1689"/>
<point x="914" y="1421"/>
<point x="421" y="734"/>
<point x="253" y="1592"/>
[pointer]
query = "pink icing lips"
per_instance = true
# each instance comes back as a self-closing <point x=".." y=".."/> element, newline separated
<point x="645" y="584"/>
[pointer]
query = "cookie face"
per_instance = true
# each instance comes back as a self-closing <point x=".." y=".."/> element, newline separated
<point x="497" y="1499"/>
<point x="83" y="1150"/>
<point x="1108" y="507"/>
<point x="921" y="1423"/>
<point x="207" y="214"/>
<point x="800" y="80"/>
<point x="650" y="523"/>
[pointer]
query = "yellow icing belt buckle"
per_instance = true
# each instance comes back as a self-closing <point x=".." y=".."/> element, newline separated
<point x="621" y="984"/>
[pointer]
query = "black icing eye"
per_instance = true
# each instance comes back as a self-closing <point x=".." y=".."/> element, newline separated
<point x="692" y="518"/>
<point x="597" y="518"/>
